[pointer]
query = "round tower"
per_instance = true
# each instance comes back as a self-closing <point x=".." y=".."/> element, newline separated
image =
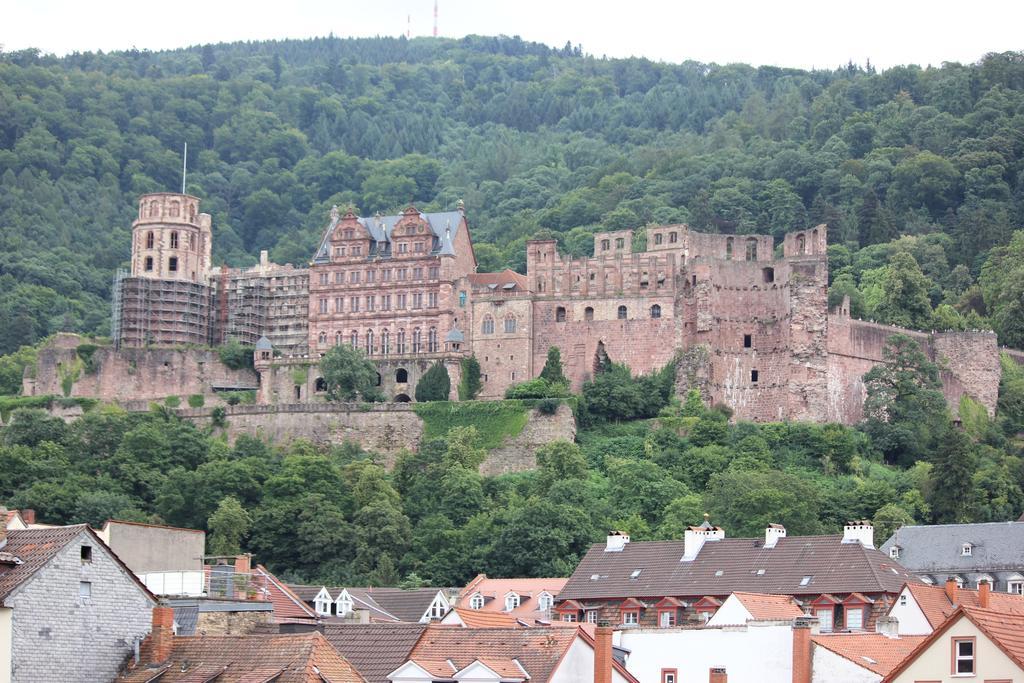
<point x="171" y="240"/>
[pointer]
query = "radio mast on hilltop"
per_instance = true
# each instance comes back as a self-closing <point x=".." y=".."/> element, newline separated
<point x="435" y="18"/>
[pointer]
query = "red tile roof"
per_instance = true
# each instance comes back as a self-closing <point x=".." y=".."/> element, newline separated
<point x="301" y="658"/>
<point x="494" y="591"/>
<point x="873" y="651"/>
<point x="501" y="278"/>
<point x="287" y="605"/>
<point x="762" y="606"/>
<point x="937" y="607"/>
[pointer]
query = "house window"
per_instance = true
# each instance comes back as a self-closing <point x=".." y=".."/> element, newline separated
<point x="748" y="341"/>
<point x="825" y="618"/>
<point x="894" y="552"/>
<point x="511" y="602"/>
<point x="569" y="616"/>
<point x="753" y="376"/>
<point x="174" y="239"/>
<point x="510" y="324"/>
<point x="669" y="676"/>
<point x="655" y="311"/>
<point x="149" y="263"/>
<point x="1016" y="587"/>
<point x="966" y="549"/>
<point x="630" y="617"/>
<point x="322" y="605"/>
<point x="560" y="314"/>
<point x="488" y="325"/>
<point x="477" y="601"/>
<point x="622" y="313"/>
<point x="85" y="590"/>
<point x="591" y="616"/>
<point x="855" y="618"/>
<point x="903" y="600"/>
<point x="86" y="553"/>
<point x="963" y="655"/>
<point x="172" y="264"/>
<point x="667" y="618"/>
<point x="588" y="313"/>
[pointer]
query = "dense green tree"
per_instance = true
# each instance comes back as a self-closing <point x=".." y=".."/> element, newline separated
<point x="552" y="370"/>
<point x="228" y="525"/>
<point x="470" y="381"/>
<point x="952" y="478"/>
<point x="349" y="375"/>
<point x="905" y="294"/>
<point x="434" y="385"/>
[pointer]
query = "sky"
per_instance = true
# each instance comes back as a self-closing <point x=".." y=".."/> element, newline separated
<point x="792" y="33"/>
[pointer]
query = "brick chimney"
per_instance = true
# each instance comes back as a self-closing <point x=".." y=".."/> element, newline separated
<point x="603" y="654"/>
<point x="717" y="675"/>
<point x="983" y="593"/>
<point x="952" y="590"/>
<point x="28" y="516"/>
<point x="159" y="644"/>
<point x="243" y="563"/>
<point x="802" y="649"/>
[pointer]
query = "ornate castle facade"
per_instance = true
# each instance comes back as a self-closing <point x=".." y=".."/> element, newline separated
<point x="752" y="325"/>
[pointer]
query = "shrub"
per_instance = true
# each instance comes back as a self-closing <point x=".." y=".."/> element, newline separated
<point x="548" y="406"/>
<point x="219" y="417"/>
<point x="196" y="401"/>
<point x="172" y="401"/>
<point x="537" y="388"/>
<point x="87" y="352"/>
<point x="236" y="355"/>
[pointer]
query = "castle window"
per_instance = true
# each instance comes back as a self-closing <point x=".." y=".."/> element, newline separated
<point x="432" y="340"/>
<point x="369" y="342"/>
<point x="419" y="248"/>
<point x="434" y="272"/>
<point x="401" y="375"/>
<point x="416" y="341"/>
<point x="605" y="245"/>
<point x="323" y="278"/>
<point x="357" y="251"/>
<point x="588" y="313"/>
<point x="620" y="242"/>
<point x="322" y="339"/>
<point x="431" y="299"/>
<point x="622" y="312"/>
<point x="400" y="301"/>
<point x="747" y="341"/>
<point x="385" y="302"/>
<point x="417" y="273"/>
<point x="353" y="277"/>
<point x="510" y="324"/>
<point x="149" y="240"/>
<point x="321" y="385"/>
<point x="154" y="209"/>
<point x="353" y="339"/>
<point x="323" y="305"/>
<point x="768" y="274"/>
<point x="348" y="234"/>
<point x="403" y="248"/>
<point x="728" y="248"/>
<point x="659" y="238"/>
<point x="172" y="264"/>
<point x="694" y="280"/>
<point x="801" y="244"/>
<point x="560" y="314"/>
<point x="752" y="249"/>
<point x="191" y="242"/>
<point x="339" y="304"/>
<point x="149" y="263"/>
<point x="488" y="325"/>
<point x="371" y="275"/>
<point x="655" y="311"/>
<point x="593" y="276"/>
<point x="175" y="209"/>
<point x="673" y="237"/>
<point x="462" y="299"/>
<point x="174" y="239"/>
<point x="337" y="338"/>
<point x="400" y="349"/>
<point x="380" y="380"/>
<point x="371" y="302"/>
<point x="753" y="376"/>
<point x="385" y="343"/>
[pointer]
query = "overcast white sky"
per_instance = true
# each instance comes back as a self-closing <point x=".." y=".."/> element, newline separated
<point x="798" y="33"/>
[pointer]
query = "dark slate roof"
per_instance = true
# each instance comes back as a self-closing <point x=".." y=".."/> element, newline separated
<point x="996" y="545"/>
<point x="380" y="229"/>
<point x="384" y="604"/>
<point x="375" y="650"/>
<point x="733" y="564"/>
<point x="263" y="344"/>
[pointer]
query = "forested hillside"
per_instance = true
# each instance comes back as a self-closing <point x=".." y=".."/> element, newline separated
<point x="533" y="139"/>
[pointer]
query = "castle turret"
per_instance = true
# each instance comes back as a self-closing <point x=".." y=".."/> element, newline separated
<point x="171" y="240"/>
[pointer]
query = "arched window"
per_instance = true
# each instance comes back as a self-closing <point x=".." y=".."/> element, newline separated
<point x="655" y="311"/>
<point x="728" y="248"/>
<point x="488" y="325"/>
<point x="432" y="340"/>
<point x="149" y="240"/>
<point x="337" y="338"/>
<point x="353" y="339"/>
<point x="400" y="342"/>
<point x="380" y="380"/>
<point x="154" y="209"/>
<point x="149" y="264"/>
<point x="385" y="342"/>
<point x="588" y="313"/>
<point x="801" y="244"/>
<point x="560" y="314"/>
<point x="322" y="339"/>
<point x="511" y="602"/>
<point x="752" y="249"/>
<point x="510" y="324"/>
<point x="622" y="312"/>
<point x="369" y="342"/>
<point x="416" y="345"/>
<point x="401" y="376"/>
<point x="174" y="239"/>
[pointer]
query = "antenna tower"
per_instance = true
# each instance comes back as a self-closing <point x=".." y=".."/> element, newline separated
<point x="435" y="18"/>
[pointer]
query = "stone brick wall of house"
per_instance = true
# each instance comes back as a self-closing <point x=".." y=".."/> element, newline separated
<point x="59" y="636"/>
<point x="132" y="374"/>
<point x="231" y="623"/>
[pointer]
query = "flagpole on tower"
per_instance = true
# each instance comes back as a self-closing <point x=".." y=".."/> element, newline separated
<point x="184" y="167"/>
<point x="435" y="18"/>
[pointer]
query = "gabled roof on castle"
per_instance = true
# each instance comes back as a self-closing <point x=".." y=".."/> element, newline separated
<point x="937" y="547"/>
<point x="444" y="226"/>
<point x="735" y="564"/>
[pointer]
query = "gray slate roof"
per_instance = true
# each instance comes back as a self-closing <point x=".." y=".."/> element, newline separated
<point x="834" y="567"/>
<point x="926" y="549"/>
<point x="381" y="227"/>
<point x="263" y="344"/>
<point x="394" y="604"/>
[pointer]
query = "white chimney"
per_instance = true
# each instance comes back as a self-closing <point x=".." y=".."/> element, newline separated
<point x="859" y="531"/>
<point x="772" y="534"/>
<point x="888" y="627"/>
<point x="695" y="537"/>
<point x="617" y="540"/>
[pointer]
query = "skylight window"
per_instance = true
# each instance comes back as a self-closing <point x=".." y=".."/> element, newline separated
<point x="636" y="574"/>
<point x="805" y="581"/>
<point x="595" y="577"/>
<point x="719" y="572"/>
<point x="760" y="572"/>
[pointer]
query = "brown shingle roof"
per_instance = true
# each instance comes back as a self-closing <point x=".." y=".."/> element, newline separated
<point x="873" y="651"/>
<point x="538" y="650"/>
<point x="735" y="564"/>
<point x="302" y="658"/>
<point x="374" y="649"/>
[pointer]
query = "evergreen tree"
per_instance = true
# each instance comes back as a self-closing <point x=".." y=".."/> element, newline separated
<point x="552" y="371"/>
<point x="470" y="383"/>
<point x="434" y="385"/>
<point x="952" y="483"/>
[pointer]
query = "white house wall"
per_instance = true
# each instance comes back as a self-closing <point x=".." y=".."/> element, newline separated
<point x="756" y="653"/>
<point x="731" y="613"/>
<point x="5" y="645"/>
<point x="828" y="667"/>
<point x="577" y="666"/>
<point x="912" y="621"/>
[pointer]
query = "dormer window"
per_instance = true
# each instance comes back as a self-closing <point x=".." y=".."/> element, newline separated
<point x="512" y="601"/>
<point x="322" y="603"/>
<point x="545" y="601"/>
<point x="344" y="604"/>
<point x="966" y="550"/>
<point x="894" y="552"/>
<point x="476" y="602"/>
